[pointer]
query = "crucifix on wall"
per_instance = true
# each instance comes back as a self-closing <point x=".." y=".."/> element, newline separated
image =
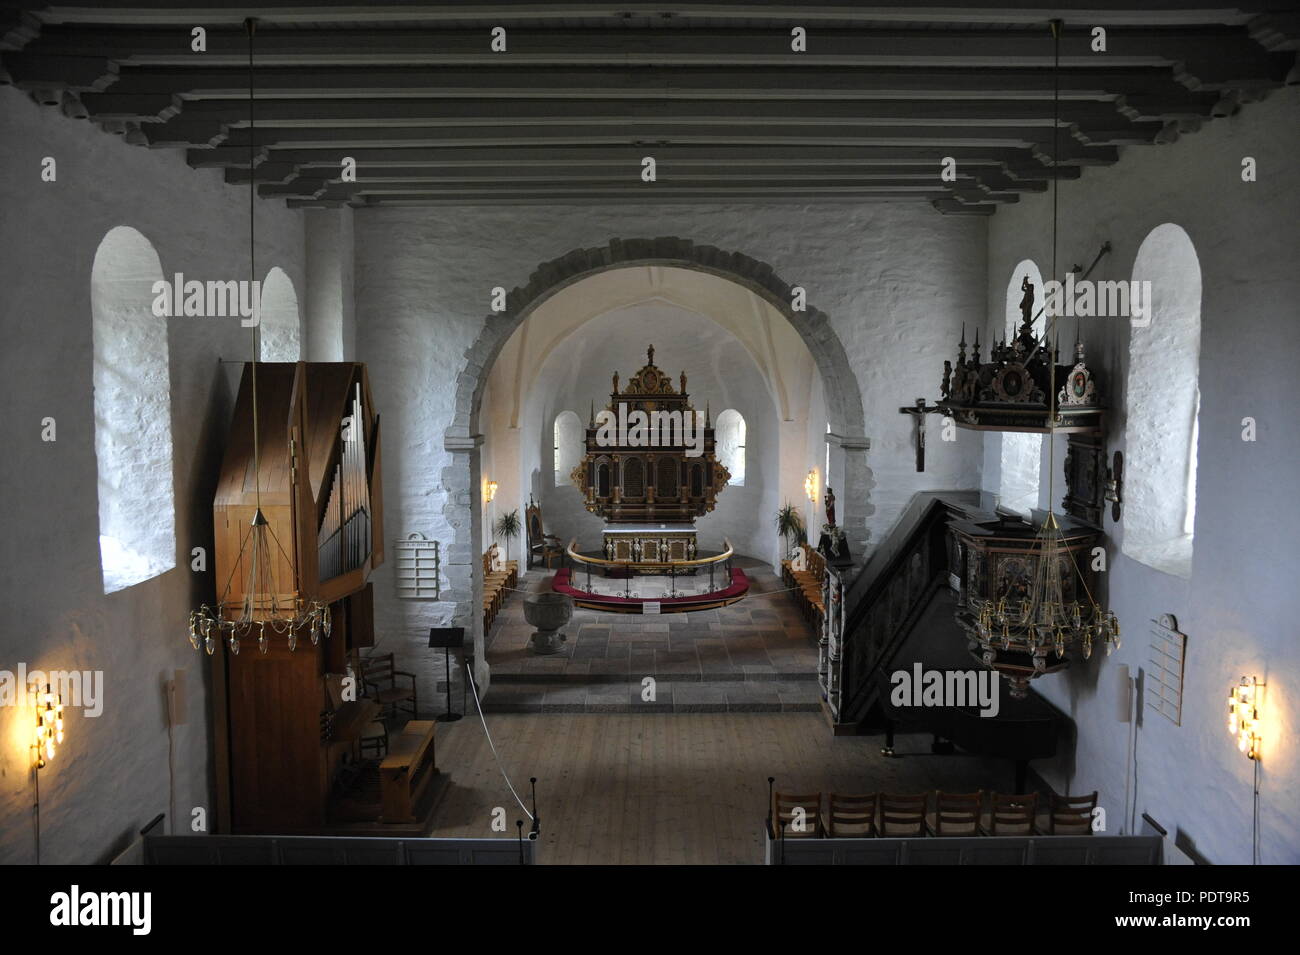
<point x="920" y="410"/>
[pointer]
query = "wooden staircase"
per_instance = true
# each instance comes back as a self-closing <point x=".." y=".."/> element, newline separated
<point x="883" y="603"/>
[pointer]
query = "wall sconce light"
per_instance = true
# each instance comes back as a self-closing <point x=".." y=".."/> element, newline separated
<point x="1243" y="715"/>
<point x="489" y="490"/>
<point x="810" y="485"/>
<point x="49" y="723"/>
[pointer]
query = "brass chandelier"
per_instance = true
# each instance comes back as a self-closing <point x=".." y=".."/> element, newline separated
<point x="1044" y="622"/>
<point x="265" y="610"/>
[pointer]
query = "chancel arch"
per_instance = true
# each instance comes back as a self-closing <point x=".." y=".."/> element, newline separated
<point x="810" y="329"/>
<point x="1021" y="454"/>
<point x="1162" y="405"/>
<point x="133" y="427"/>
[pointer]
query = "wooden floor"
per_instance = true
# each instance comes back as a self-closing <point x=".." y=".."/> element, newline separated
<point x="686" y="788"/>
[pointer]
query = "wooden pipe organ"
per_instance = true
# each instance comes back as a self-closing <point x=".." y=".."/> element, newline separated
<point x="345" y="537"/>
<point x="315" y="480"/>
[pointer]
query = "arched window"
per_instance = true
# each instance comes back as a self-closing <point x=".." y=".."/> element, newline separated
<point x="1162" y="404"/>
<point x="569" y="441"/>
<point x="133" y="423"/>
<point x="280" y="331"/>
<point x="1022" y="454"/>
<point x="729" y="437"/>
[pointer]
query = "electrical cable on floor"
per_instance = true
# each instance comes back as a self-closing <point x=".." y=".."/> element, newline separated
<point x="469" y="677"/>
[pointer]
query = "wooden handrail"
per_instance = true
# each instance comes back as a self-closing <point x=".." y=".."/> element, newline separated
<point x="698" y="562"/>
<point x="923" y="527"/>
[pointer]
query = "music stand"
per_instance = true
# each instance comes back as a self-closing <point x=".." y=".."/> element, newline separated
<point x="447" y="638"/>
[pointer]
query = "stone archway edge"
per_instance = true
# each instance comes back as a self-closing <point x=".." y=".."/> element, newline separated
<point x="845" y="403"/>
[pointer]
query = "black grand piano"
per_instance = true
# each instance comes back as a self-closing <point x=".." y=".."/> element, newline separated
<point x="1022" y="730"/>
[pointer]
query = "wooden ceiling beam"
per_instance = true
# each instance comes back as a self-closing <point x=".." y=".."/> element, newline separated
<point x="560" y="82"/>
<point x="990" y="177"/>
<point x="709" y="192"/>
<point x="1205" y="56"/>
<point x="1119" y="12"/>
<point x="1016" y="163"/>
<point x="208" y="119"/>
<point x="415" y="93"/>
<point x="947" y="140"/>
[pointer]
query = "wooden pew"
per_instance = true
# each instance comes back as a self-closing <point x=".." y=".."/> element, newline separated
<point x="807" y="585"/>
<point x="497" y="585"/>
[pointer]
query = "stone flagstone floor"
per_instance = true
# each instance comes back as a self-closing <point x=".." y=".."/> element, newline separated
<point x="758" y="655"/>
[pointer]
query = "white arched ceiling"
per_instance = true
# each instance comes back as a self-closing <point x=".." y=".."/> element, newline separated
<point x="280" y="333"/>
<point x="777" y="350"/>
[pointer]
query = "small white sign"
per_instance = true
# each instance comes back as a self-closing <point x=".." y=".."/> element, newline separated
<point x="650" y="606"/>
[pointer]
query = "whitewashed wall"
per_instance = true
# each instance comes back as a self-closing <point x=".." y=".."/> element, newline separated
<point x="1241" y="604"/>
<point x="111" y="776"/>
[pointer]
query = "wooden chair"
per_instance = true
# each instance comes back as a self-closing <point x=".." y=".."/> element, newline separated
<point x="373" y="740"/>
<point x="851" y="816"/>
<point x="956" y="814"/>
<point x="1010" y="815"/>
<point x="379" y="675"/>
<point x="784" y="807"/>
<point x="542" y="547"/>
<point x="1069" y="816"/>
<point x="903" y="815"/>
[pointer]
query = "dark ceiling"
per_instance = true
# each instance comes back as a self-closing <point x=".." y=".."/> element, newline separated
<point x="414" y="93"/>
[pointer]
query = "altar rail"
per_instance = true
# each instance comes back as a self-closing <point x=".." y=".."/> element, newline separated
<point x="659" y="566"/>
<point x="973" y="850"/>
<point x="334" y="850"/>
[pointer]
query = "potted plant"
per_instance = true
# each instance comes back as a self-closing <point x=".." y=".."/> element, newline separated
<point x="507" y="526"/>
<point x="789" y="524"/>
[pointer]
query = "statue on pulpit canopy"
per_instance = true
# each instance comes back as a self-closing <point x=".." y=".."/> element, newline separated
<point x="830" y="507"/>
<point x="1027" y="301"/>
